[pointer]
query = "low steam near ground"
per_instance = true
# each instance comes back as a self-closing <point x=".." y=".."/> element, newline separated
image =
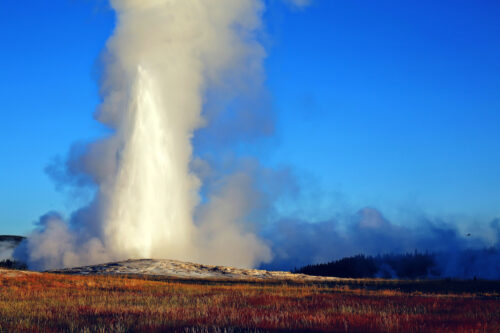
<point x="296" y="243"/>
<point x="7" y="250"/>
<point x="7" y="246"/>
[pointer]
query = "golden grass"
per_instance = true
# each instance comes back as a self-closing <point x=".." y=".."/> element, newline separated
<point x="62" y="303"/>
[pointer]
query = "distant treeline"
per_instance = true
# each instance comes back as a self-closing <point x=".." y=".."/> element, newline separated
<point x="10" y="238"/>
<point x="403" y="266"/>
<point x="12" y="264"/>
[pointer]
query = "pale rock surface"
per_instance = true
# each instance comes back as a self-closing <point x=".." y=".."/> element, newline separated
<point x="180" y="269"/>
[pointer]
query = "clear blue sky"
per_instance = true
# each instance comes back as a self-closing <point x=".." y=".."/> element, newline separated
<point x="390" y="104"/>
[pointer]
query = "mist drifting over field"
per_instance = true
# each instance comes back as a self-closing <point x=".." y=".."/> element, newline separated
<point x="182" y="88"/>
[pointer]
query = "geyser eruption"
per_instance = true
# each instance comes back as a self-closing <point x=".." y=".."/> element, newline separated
<point x="150" y="200"/>
<point x="158" y="64"/>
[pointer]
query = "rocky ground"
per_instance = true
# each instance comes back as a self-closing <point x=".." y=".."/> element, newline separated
<point x="179" y="269"/>
<point x="15" y="273"/>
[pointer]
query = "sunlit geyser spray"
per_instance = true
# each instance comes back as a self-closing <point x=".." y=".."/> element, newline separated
<point x="158" y="64"/>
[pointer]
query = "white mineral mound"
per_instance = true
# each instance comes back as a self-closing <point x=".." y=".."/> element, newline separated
<point x="180" y="269"/>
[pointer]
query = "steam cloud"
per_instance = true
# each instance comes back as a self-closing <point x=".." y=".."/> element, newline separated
<point x="297" y="243"/>
<point x="6" y="250"/>
<point x="159" y="65"/>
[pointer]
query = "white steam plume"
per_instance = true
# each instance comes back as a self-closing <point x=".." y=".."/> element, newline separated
<point x="159" y="63"/>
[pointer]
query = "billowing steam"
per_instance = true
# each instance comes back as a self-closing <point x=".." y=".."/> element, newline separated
<point x="297" y="243"/>
<point x="159" y="63"/>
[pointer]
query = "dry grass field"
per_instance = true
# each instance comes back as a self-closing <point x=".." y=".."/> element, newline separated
<point x="32" y="302"/>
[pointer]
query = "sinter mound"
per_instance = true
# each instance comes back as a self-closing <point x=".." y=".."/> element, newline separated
<point x="180" y="269"/>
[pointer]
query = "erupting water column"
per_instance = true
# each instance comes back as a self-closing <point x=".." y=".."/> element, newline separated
<point x="147" y="208"/>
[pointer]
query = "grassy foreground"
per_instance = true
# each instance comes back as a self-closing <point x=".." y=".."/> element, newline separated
<point x="49" y="302"/>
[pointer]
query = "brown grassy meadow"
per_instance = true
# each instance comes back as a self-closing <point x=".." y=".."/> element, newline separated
<point x="64" y="303"/>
